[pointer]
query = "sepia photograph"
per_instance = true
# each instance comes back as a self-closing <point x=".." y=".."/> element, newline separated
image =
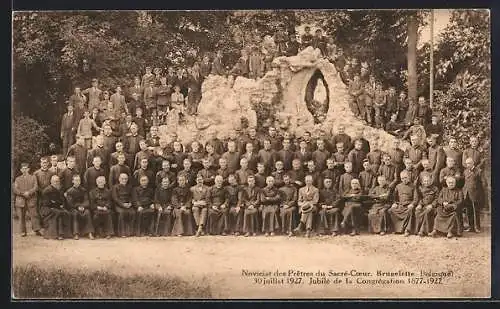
<point x="251" y="154"/>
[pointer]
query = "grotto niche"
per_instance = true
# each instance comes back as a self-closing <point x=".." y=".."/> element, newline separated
<point x="317" y="96"/>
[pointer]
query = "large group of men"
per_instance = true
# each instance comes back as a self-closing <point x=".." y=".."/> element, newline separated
<point x="251" y="183"/>
<point x="120" y="177"/>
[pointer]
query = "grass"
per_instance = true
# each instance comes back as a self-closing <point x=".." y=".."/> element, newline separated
<point x="33" y="282"/>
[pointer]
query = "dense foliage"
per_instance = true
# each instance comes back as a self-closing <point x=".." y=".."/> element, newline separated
<point x="29" y="140"/>
<point x="54" y="51"/>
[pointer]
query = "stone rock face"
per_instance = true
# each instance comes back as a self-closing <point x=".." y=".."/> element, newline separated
<point x="224" y="101"/>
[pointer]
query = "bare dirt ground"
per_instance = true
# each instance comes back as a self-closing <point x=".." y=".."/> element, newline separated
<point x="220" y="261"/>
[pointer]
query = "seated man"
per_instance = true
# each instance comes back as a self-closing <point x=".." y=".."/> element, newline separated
<point x="142" y="198"/>
<point x="55" y="216"/>
<point x="100" y="203"/>
<point x="377" y="215"/>
<point x="402" y="210"/>
<point x="235" y="215"/>
<point x="218" y="208"/>
<point x="248" y="200"/>
<point x="78" y="203"/>
<point x="449" y="211"/>
<point x="329" y="213"/>
<point x="122" y="198"/>
<point x="308" y="199"/>
<point x="269" y="200"/>
<point x="352" y="207"/>
<point x="199" y="193"/>
<point x="288" y="205"/>
<point x="163" y="198"/>
<point x="425" y="210"/>
<point x="181" y="202"/>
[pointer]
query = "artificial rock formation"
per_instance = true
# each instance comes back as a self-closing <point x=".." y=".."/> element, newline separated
<point x="224" y="101"/>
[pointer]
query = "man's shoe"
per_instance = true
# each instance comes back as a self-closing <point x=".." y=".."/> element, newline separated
<point x="108" y="237"/>
<point x="334" y="234"/>
<point x="38" y="233"/>
<point x="266" y="234"/>
<point x="91" y="237"/>
<point x="421" y="234"/>
<point x="198" y="233"/>
<point x="290" y="234"/>
<point x="60" y="238"/>
<point x="76" y="237"/>
<point x="223" y="234"/>
<point x="433" y="233"/>
<point x="247" y="234"/>
<point x="24" y="234"/>
<point x="353" y="233"/>
<point x="477" y="231"/>
<point x="237" y="234"/>
<point x="254" y="234"/>
<point x="272" y="234"/>
<point x="407" y="234"/>
<point x="308" y="234"/>
<point x="449" y="235"/>
<point x="382" y="233"/>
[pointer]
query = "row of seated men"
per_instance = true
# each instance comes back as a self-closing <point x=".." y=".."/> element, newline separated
<point x="219" y="209"/>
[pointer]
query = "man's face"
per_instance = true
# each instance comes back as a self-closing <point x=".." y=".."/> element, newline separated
<point x="366" y="165"/>
<point x="223" y="163"/>
<point x="450" y="182"/>
<point x="407" y="162"/>
<point x="249" y="147"/>
<point x="101" y="182"/>
<point x="144" y="163"/>
<point x="199" y="180"/>
<point x="97" y="162"/>
<point x="70" y="163"/>
<point x="76" y="181"/>
<point x="123" y="179"/>
<point x="425" y="164"/>
<point x="270" y="181"/>
<point x="310" y="165"/>
<point x="186" y="164"/>
<point x="121" y="159"/>
<point x="431" y="141"/>
<point x="244" y="163"/>
<point x="357" y="145"/>
<point x="286" y="144"/>
<point x="341" y="130"/>
<point x="307" y="136"/>
<point x="450" y="162"/>
<point x="348" y="167"/>
<point x="296" y="164"/>
<point x="453" y="144"/>
<point x="272" y="131"/>
<point x="267" y="144"/>
<point x="119" y="147"/>
<point x="209" y="148"/>
<point x="55" y="182"/>
<point x="143" y="181"/>
<point x="80" y="141"/>
<point x="469" y="163"/>
<point x="321" y="144"/>
<point x="24" y="169"/>
<point x="329" y="164"/>
<point x="434" y="120"/>
<point x="260" y="168"/>
<point x="70" y="108"/>
<point x="133" y="129"/>
<point x="387" y="160"/>
<point x="308" y="180"/>
<point x="474" y="142"/>
<point x="252" y="133"/>
<point x="206" y="164"/>
<point x="231" y="146"/>
<point x="328" y="183"/>
<point x="232" y="180"/>
<point x="381" y="181"/>
<point x="182" y="181"/>
<point x="426" y="181"/>
<point x="53" y="160"/>
<point x="107" y="130"/>
<point x="251" y="181"/>
<point x="405" y="178"/>
<point x="177" y="146"/>
<point x="279" y="165"/>
<point x="340" y="147"/>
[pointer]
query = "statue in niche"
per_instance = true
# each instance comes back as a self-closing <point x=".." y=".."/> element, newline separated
<point x="317" y="97"/>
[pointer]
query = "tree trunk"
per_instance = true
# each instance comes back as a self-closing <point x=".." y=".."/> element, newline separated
<point x="412" y="56"/>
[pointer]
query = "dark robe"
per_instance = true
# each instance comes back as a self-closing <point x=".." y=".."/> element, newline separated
<point x="90" y="177"/>
<point x="103" y="219"/>
<point x="183" y="218"/>
<point x="351" y="212"/>
<point x="269" y="201"/>
<point x="402" y="215"/>
<point x="449" y="218"/>
<point x="329" y="217"/>
<point x="217" y="222"/>
<point x="115" y="172"/>
<point x="424" y="217"/>
<point x="289" y="195"/>
<point x="163" y="198"/>
<point x="125" y="215"/>
<point x="82" y="220"/>
<point x="377" y="215"/>
<point x="248" y="199"/>
<point x="145" y="220"/>
<point x="55" y="216"/>
<point x="235" y="216"/>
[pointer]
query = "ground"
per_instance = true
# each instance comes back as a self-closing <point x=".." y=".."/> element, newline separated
<point x="221" y="260"/>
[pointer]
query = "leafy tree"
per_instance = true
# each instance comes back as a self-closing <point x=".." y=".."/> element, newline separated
<point x="29" y="140"/>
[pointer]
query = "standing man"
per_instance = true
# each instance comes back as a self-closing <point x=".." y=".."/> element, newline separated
<point x="79" y="151"/>
<point x="25" y="189"/>
<point x="118" y="100"/>
<point x="150" y="98"/>
<point x="43" y="178"/>
<point x="94" y="94"/>
<point x="68" y="129"/>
